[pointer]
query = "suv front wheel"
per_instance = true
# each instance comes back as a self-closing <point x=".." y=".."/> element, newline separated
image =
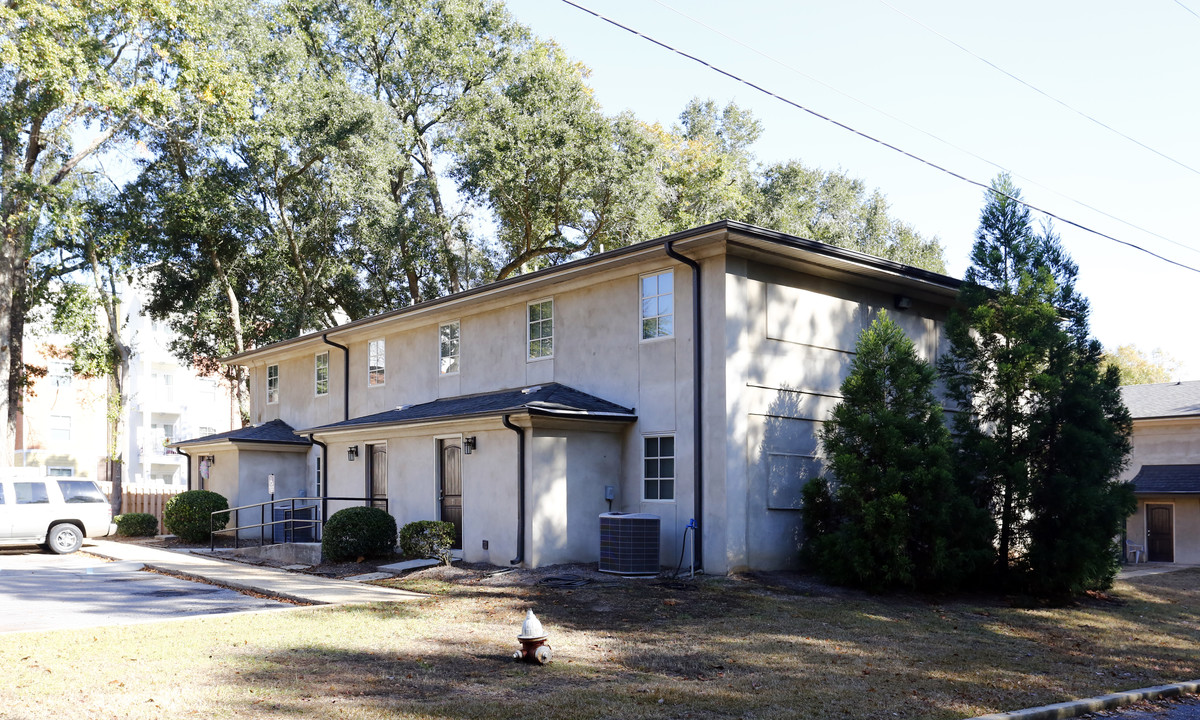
<point x="64" y="538"/>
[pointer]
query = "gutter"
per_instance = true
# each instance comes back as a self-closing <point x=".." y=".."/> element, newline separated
<point x="345" y="374"/>
<point x="324" y="479"/>
<point x="189" y="464"/>
<point x="697" y="408"/>
<point x="520" y="558"/>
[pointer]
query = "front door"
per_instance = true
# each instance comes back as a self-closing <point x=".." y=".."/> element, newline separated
<point x="377" y="475"/>
<point x="1160" y="534"/>
<point x="450" y="491"/>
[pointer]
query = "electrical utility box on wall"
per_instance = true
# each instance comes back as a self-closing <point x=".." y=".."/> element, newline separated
<point x="629" y="543"/>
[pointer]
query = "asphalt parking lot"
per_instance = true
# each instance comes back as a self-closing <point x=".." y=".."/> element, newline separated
<point x="42" y="591"/>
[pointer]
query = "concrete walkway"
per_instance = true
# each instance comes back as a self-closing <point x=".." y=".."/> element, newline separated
<point x="299" y="587"/>
<point x="1129" y="572"/>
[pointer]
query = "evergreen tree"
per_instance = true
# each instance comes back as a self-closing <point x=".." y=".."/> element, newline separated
<point x="894" y="517"/>
<point x="1042" y="431"/>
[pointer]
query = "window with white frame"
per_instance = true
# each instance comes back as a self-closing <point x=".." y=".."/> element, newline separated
<point x="375" y="363"/>
<point x="205" y="431"/>
<point x="272" y="384"/>
<point x="659" y="467"/>
<point x="658" y="305"/>
<point x="61" y="373"/>
<point x="321" y="373"/>
<point x="60" y="471"/>
<point x="60" y="429"/>
<point x="541" y="329"/>
<point x="448" y="342"/>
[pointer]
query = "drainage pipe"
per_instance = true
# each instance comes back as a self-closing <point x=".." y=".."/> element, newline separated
<point x="345" y="374"/>
<point x="698" y="410"/>
<point x="324" y="478"/>
<point x="183" y="452"/>
<point x="520" y="558"/>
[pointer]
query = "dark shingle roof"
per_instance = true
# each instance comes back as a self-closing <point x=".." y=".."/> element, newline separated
<point x="1167" y="479"/>
<point x="1177" y="399"/>
<point x="551" y="399"/>
<point x="276" y="432"/>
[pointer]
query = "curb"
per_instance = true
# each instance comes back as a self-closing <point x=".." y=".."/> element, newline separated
<point x="1075" y="708"/>
<point x="103" y="569"/>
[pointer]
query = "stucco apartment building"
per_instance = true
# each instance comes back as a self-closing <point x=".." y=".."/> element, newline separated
<point x="1165" y="470"/>
<point x="683" y="377"/>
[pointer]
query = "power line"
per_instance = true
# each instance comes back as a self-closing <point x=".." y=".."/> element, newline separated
<point x="905" y="123"/>
<point x="871" y="138"/>
<point x="1185" y="7"/>
<point x="1041" y="92"/>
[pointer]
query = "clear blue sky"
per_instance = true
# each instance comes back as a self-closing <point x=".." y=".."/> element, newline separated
<point x="1132" y="66"/>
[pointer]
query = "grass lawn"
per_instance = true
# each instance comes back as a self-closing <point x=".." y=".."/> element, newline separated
<point x="767" y="647"/>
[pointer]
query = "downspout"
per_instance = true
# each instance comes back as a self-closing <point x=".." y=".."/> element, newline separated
<point x="520" y="558"/>
<point x="345" y="374"/>
<point x="183" y="452"/>
<point x="324" y="476"/>
<point x="698" y="384"/>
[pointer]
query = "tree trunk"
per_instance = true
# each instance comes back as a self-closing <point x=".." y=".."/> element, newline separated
<point x="235" y="319"/>
<point x="445" y="226"/>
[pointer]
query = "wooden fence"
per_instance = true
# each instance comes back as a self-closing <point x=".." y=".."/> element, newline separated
<point x="144" y="499"/>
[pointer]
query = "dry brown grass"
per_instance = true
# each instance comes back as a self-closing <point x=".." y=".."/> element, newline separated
<point x="766" y="647"/>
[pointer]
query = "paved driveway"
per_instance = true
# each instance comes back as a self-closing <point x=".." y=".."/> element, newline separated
<point x="42" y="591"/>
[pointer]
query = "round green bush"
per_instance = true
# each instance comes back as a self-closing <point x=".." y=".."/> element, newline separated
<point x="187" y="514"/>
<point x="136" y="525"/>
<point x="427" y="539"/>
<point x="358" y="532"/>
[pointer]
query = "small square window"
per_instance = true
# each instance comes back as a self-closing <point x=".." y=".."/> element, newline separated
<point x="61" y="373"/>
<point x="658" y="474"/>
<point x="448" y="342"/>
<point x="321" y="374"/>
<point x="272" y="384"/>
<point x="658" y="305"/>
<point x="375" y="363"/>
<point x="541" y="329"/>
<point x="60" y="429"/>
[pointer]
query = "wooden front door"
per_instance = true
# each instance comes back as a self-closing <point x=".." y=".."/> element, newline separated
<point x="450" y="490"/>
<point x="1160" y="533"/>
<point x="377" y="475"/>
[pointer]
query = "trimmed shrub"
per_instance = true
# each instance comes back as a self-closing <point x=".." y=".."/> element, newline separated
<point x="358" y="532"/>
<point x="187" y="514"/>
<point x="136" y="525"/>
<point x="427" y="539"/>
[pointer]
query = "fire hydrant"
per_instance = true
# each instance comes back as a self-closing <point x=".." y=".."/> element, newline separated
<point x="533" y="641"/>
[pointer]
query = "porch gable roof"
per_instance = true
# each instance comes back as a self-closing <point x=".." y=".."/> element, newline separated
<point x="1172" y="479"/>
<point x="551" y="399"/>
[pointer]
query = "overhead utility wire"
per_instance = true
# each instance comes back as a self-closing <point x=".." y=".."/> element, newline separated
<point x="865" y="136"/>
<point x="1185" y="7"/>
<point x="1043" y="93"/>
<point x="910" y="126"/>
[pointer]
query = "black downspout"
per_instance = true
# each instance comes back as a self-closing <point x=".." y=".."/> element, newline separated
<point x="345" y="373"/>
<point x="698" y="383"/>
<point x="324" y="476"/>
<point x="520" y="558"/>
<point x="189" y="464"/>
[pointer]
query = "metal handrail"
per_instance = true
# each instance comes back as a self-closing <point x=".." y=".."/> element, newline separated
<point x="317" y="523"/>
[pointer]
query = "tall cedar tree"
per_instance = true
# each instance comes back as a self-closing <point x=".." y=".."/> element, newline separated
<point x="1042" y="429"/>
<point x="894" y="517"/>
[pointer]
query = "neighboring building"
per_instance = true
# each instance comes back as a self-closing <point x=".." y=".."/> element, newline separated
<point x="1165" y="470"/>
<point x="62" y="427"/>
<point x="523" y="409"/>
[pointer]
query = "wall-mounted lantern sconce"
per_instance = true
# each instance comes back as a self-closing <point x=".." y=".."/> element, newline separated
<point x="469" y="445"/>
<point x="211" y="459"/>
<point x="903" y="302"/>
<point x="352" y="453"/>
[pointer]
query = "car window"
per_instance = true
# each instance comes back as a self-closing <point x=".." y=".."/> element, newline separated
<point x="81" y="491"/>
<point x="29" y="493"/>
<point x="1" y="494"/>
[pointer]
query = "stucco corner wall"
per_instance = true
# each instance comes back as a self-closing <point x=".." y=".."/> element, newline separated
<point x="565" y="495"/>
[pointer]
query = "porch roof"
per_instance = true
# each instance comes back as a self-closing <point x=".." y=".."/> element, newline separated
<point x="551" y="399"/>
<point x="274" y="432"/>
<point x="1173" y="479"/>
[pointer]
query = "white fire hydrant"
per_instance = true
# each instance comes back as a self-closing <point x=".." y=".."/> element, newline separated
<point x="533" y="641"/>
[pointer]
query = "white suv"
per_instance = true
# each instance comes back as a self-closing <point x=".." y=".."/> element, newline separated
<point x="54" y="513"/>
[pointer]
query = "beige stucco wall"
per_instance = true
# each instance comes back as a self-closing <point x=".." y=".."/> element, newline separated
<point x="790" y="340"/>
<point x="1171" y="441"/>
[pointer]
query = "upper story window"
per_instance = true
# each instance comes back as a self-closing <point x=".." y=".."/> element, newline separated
<point x="375" y="363"/>
<point x="448" y="343"/>
<point x="272" y="384"/>
<point x="659" y="471"/>
<point x="541" y="329"/>
<point x="321" y="373"/>
<point x="60" y="429"/>
<point x="658" y="305"/>
<point x="61" y="372"/>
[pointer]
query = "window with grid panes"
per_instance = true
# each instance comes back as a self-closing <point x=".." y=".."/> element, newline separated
<point x="659" y="467"/>
<point x="658" y="305"/>
<point x="541" y="329"/>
